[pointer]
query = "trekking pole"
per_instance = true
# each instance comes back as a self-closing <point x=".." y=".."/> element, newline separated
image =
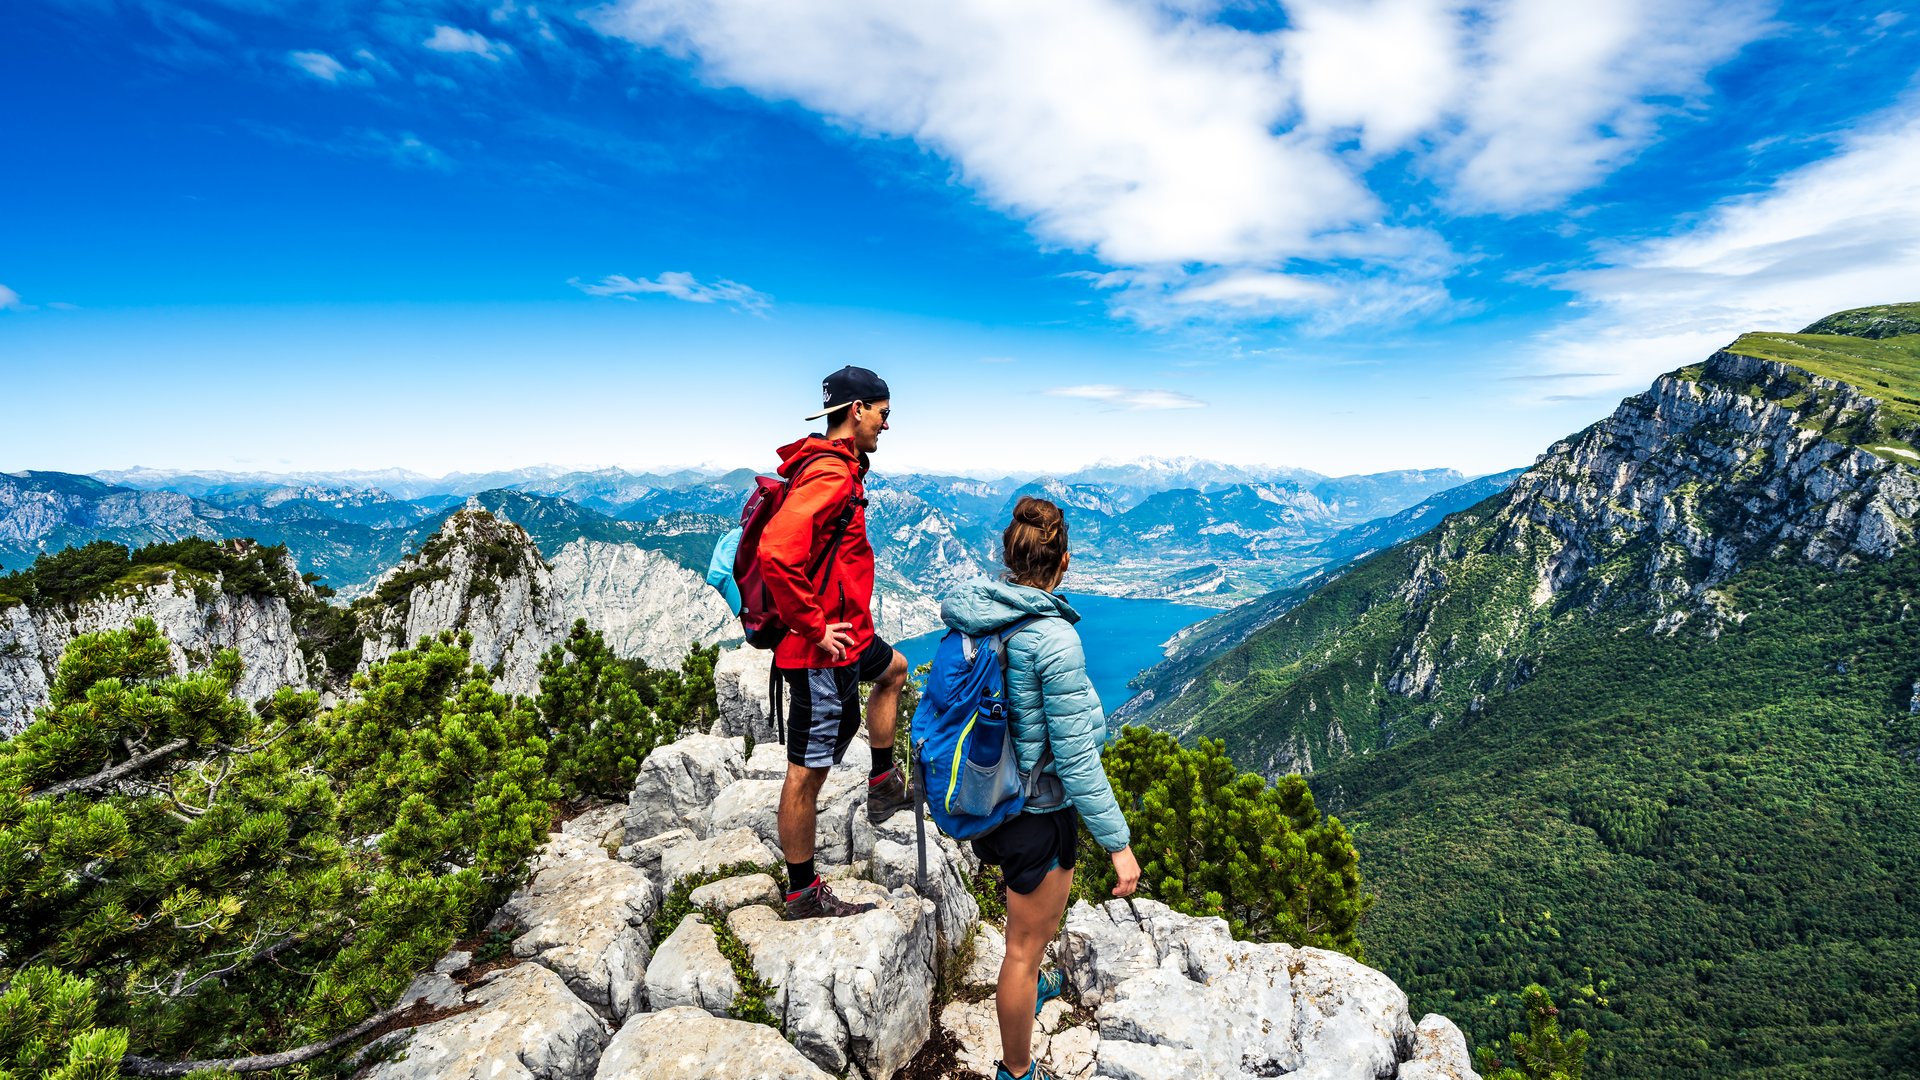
<point x="920" y="827"/>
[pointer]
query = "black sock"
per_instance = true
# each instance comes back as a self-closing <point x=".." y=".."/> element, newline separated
<point x="882" y="762"/>
<point x="800" y="875"/>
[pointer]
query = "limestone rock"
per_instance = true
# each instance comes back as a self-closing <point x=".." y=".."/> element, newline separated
<point x="842" y="834"/>
<point x="643" y="602"/>
<point x="589" y="918"/>
<point x="1177" y="995"/>
<point x="1068" y="1051"/>
<point x="989" y="952"/>
<point x="767" y="762"/>
<point x="740" y="684"/>
<point x="678" y="783"/>
<point x="480" y="574"/>
<point x="260" y="628"/>
<point x="690" y="971"/>
<point x="528" y="1026"/>
<point x="605" y="826"/>
<point x="686" y="1042"/>
<point x="737" y="892"/>
<point x="646" y="853"/>
<point x="951" y="865"/>
<point x="729" y="848"/>
<point x="1439" y="1052"/>
<point x="854" y="993"/>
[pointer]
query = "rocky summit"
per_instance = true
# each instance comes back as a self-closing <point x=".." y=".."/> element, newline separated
<point x="649" y="942"/>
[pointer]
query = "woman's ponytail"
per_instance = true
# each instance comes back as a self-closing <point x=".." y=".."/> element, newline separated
<point x="1035" y="544"/>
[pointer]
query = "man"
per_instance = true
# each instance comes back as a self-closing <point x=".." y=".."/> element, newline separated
<point x="818" y="566"/>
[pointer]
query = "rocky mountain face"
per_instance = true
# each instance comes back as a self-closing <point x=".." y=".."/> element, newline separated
<point x="1718" y="466"/>
<point x="603" y="983"/>
<point x="646" y="604"/>
<point x="198" y="615"/>
<point x="478" y="575"/>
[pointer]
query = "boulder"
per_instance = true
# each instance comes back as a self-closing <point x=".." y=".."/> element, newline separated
<point x="1439" y="1052"/>
<point x="605" y="826"/>
<point x="526" y="1026"/>
<point x="589" y="918"/>
<point x="678" y="782"/>
<point x="646" y="853"/>
<point x="689" y="971"/>
<point x="737" y="892"/>
<point x="951" y="865"/>
<point x="767" y="762"/>
<point x="730" y="848"/>
<point x="854" y="993"/>
<point x="1177" y="995"/>
<point x="689" y="1043"/>
<point x="975" y="1026"/>
<point x="740" y="685"/>
<point x="989" y="952"/>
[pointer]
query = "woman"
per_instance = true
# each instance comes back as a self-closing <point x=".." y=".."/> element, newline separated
<point x="1056" y="709"/>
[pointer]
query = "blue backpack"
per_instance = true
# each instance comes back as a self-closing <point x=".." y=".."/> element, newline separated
<point x="965" y="763"/>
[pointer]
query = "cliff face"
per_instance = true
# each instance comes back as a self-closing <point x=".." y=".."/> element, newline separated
<point x="197" y="622"/>
<point x="478" y="574"/>
<point x="646" y="604"/>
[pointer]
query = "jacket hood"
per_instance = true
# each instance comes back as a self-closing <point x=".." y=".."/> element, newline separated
<point x="984" y="605"/>
<point x="794" y="452"/>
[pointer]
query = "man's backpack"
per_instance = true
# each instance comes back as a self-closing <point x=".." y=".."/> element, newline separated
<point x="964" y="759"/>
<point x="734" y="568"/>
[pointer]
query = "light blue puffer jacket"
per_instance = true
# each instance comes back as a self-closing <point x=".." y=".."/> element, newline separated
<point x="1053" y="700"/>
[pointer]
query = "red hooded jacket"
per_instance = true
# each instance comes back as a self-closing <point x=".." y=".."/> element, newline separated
<point x="842" y="590"/>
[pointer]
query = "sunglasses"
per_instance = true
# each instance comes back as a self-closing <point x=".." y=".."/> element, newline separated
<point x="884" y="413"/>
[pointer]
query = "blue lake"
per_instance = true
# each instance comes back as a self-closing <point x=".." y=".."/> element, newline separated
<point x="1122" y="638"/>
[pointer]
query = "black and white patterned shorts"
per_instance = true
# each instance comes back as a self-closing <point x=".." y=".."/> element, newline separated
<point x="823" y="706"/>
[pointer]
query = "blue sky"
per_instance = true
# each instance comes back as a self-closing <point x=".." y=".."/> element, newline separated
<point x="1348" y="235"/>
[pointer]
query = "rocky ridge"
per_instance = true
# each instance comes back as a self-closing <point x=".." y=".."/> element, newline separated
<point x="592" y="996"/>
<point x="197" y="615"/>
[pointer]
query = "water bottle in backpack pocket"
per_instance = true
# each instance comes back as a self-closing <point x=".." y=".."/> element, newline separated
<point x="963" y="745"/>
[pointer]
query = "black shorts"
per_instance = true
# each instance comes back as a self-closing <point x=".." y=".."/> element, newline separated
<point x="1028" y="847"/>
<point x="823" y="706"/>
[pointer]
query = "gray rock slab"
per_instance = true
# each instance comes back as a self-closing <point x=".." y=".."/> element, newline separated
<point x="737" y="892"/>
<point x="853" y="992"/>
<point x="528" y="1026"/>
<point x="716" y="853"/>
<point x="689" y="971"/>
<point x="678" y="783"/>
<point x="589" y="917"/>
<point x="1439" y="1052"/>
<point x="689" y="1043"/>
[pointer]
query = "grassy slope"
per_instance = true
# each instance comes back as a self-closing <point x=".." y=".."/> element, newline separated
<point x="1887" y="369"/>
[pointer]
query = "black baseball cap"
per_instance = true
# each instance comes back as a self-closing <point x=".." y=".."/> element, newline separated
<point x="848" y="385"/>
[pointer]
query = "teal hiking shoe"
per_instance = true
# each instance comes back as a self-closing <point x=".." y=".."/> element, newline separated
<point x="1052" y="981"/>
<point x="1035" y="1071"/>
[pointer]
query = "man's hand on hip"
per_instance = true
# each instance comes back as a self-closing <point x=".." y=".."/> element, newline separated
<point x="835" y="642"/>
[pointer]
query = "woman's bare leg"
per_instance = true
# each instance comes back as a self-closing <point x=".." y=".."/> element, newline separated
<point x="1032" y="921"/>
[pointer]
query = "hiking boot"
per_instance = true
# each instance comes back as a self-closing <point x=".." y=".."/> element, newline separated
<point x="1035" y="1071"/>
<point x="887" y="797"/>
<point x="817" y="901"/>
<point x="1052" y="981"/>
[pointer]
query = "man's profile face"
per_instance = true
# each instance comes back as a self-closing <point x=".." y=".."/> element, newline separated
<point x="869" y="420"/>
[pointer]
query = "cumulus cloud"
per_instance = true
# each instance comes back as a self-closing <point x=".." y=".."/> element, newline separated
<point x="1839" y="233"/>
<point x="681" y="286"/>
<point x="452" y="39"/>
<point x="1220" y="170"/>
<point x="1127" y="397"/>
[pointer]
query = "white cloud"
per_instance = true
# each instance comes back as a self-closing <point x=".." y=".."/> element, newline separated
<point x="1127" y="397"/>
<point x="1219" y="171"/>
<point x="1560" y="94"/>
<point x="681" y="286"/>
<point x="452" y="39"/>
<point x="10" y="300"/>
<point x="318" y="64"/>
<point x="1842" y="232"/>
